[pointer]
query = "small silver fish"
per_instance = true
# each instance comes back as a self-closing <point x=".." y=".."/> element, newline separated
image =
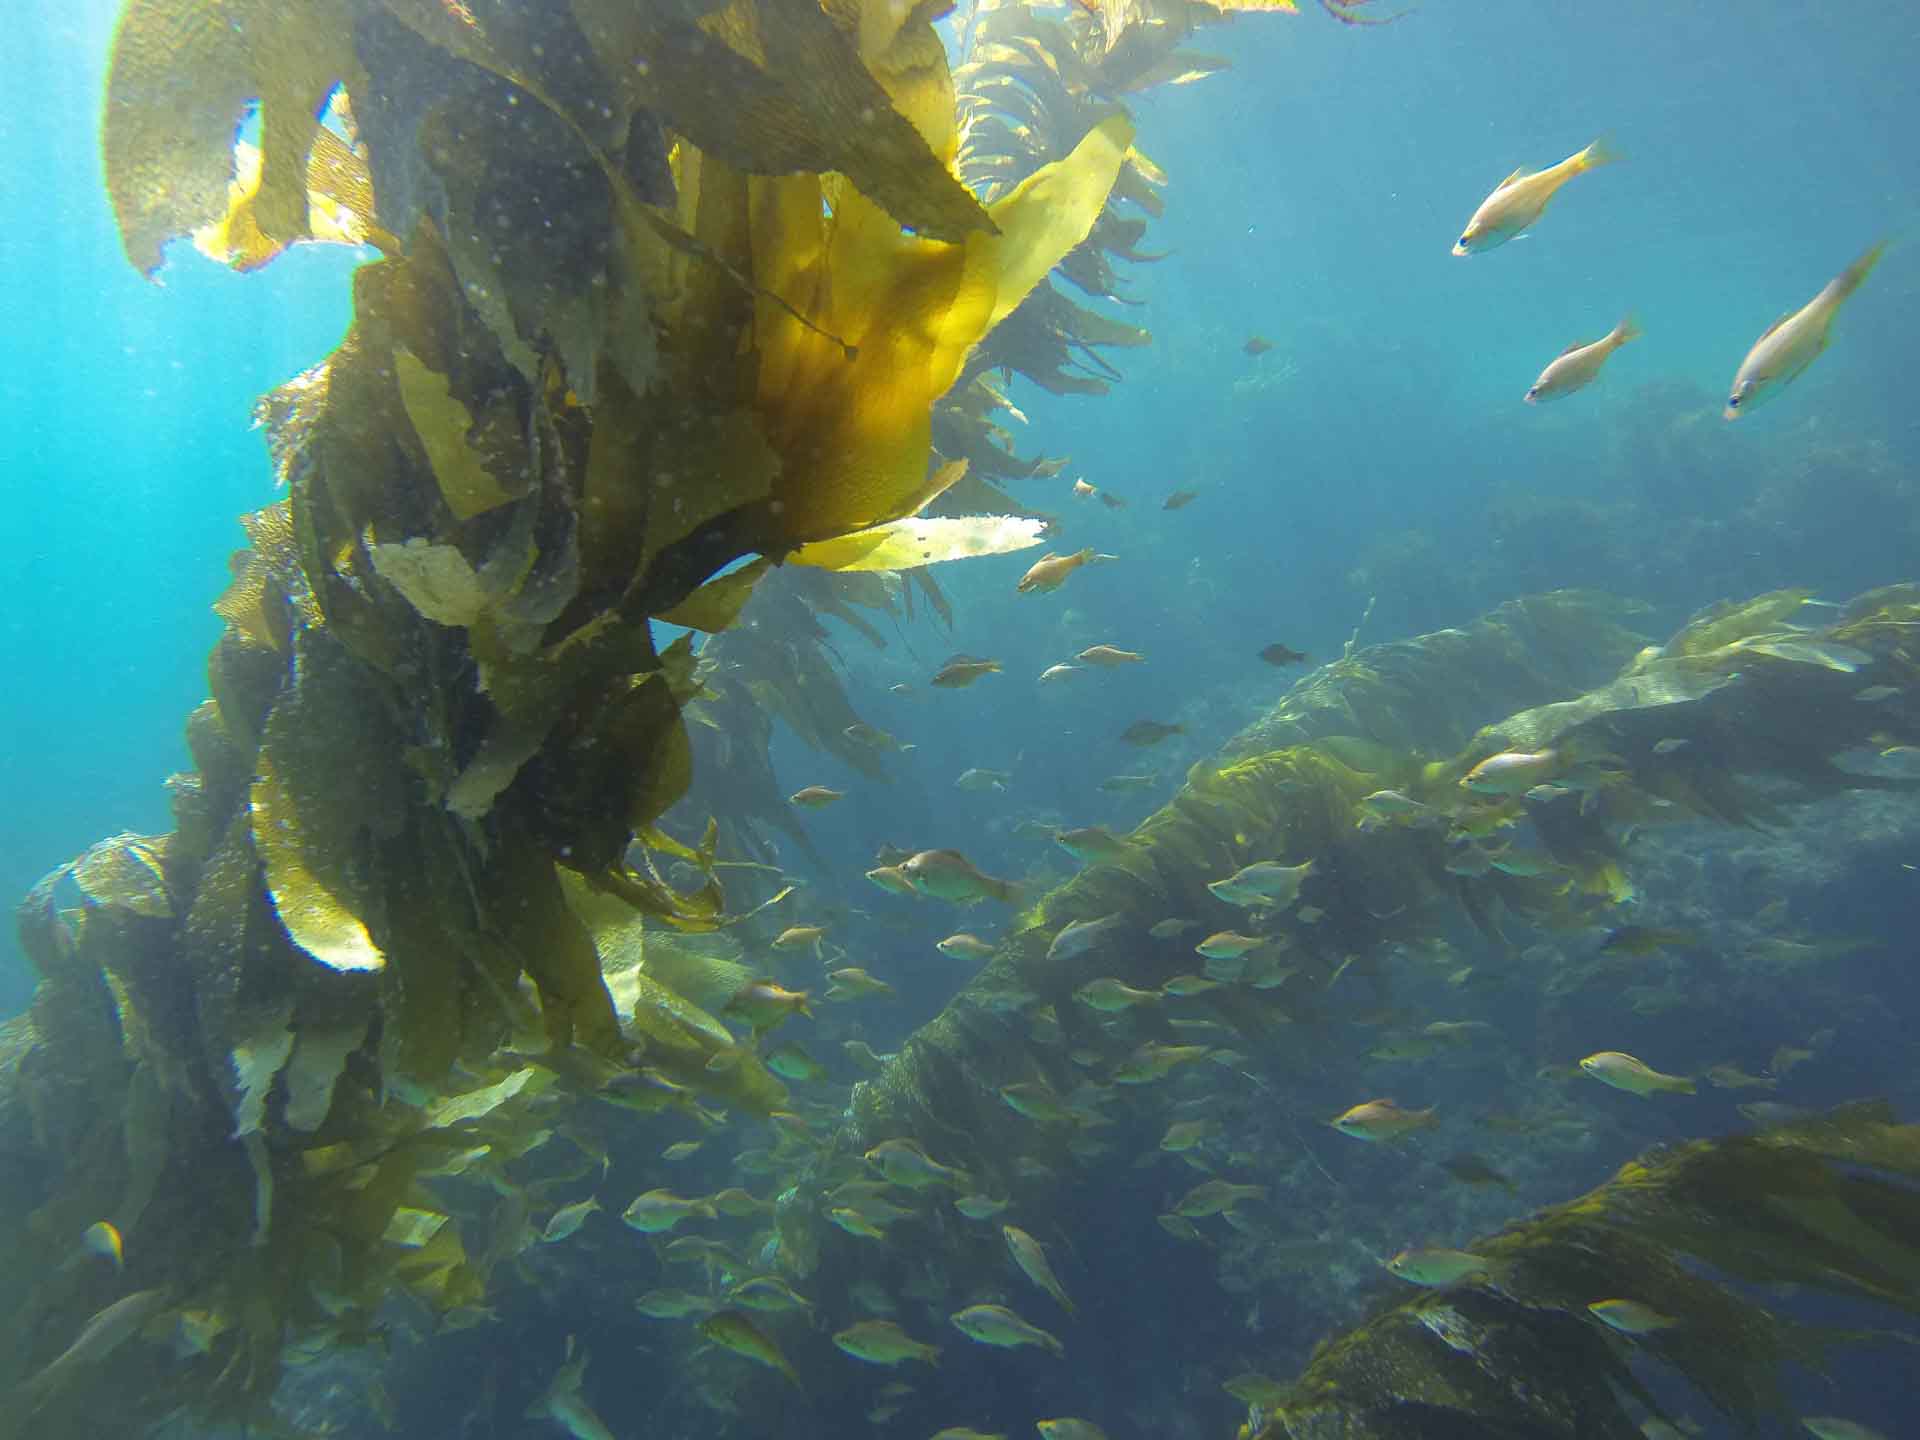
<point x="1081" y="936"/>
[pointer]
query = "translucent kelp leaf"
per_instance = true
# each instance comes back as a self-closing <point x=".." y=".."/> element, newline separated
<point x="436" y="579"/>
<point x="854" y="433"/>
<point x="437" y="1273"/>
<point x="555" y="949"/>
<point x="1052" y="210"/>
<point x="339" y="206"/>
<point x="256" y="1060"/>
<point x="319" y="1055"/>
<point x="1827" y="654"/>
<point x="328" y="775"/>
<point x="127" y="872"/>
<point x="922" y="540"/>
<point x="681" y="1039"/>
<point x="667" y="1017"/>
<point x="716" y="605"/>
<point x="472" y="1104"/>
<point x="181" y="73"/>
<point x="1722" y="624"/>
<point x="412" y="1227"/>
<point x="321" y="921"/>
<point x="466" y="483"/>
<point x="268" y="591"/>
<point x="695" y="967"/>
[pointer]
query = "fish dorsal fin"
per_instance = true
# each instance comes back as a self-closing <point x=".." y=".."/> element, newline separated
<point x="1519" y="172"/>
<point x="1576" y="345"/>
<point x="1778" y="323"/>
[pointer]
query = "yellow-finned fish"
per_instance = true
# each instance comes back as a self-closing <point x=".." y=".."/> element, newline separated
<point x="731" y="1330"/>
<point x="1795" y="340"/>
<point x="997" y="1325"/>
<point x="564" y="1403"/>
<point x="965" y="946"/>
<point x="1636" y="1077"/>
<point x="949" y="875"/>
<point x="1578" y="366"/>
<point x="1630" y="1317"/>
<point x="1437" y="1268"/>
<point x="1050" y="571"/>
<point x="1382" y="1120"/>
<point x="567" y="1219"/>
<point x="1031" y="1257"/>
<point x="98" y="1339"/>
<point x="1069" y="1427"/>
<point x="658" y="1211"/>
<point x="1267" y="884"/>
<point x="1518" y="200"/>
<point x="905" y="1163"/>
<point x="881" y="1342"/>
<point x="1216" y="1197"/>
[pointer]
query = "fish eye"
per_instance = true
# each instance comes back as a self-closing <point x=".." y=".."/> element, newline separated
<point x="1733" y="399"/>
<point x="1466" y="239"/>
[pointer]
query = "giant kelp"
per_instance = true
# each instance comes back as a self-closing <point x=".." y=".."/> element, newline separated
<point x="1825" y="1203"/>
<point x="660" y="289"/>
<point x="1742" y="694"/>
<point x="439" y="688"/>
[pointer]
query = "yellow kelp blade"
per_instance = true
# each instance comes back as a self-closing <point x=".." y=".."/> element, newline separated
<point x="717" y="604"/>
<point x="854" y="431"/>
<point x="182" y="73"/>
<point x="921" y="540"/>
<point x="1051" y="211"/>
<point x="339" y="206"/>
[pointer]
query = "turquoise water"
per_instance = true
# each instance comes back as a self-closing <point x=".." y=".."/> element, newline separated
<point x="126" y="453"/>
<point x="1375" y="471"/>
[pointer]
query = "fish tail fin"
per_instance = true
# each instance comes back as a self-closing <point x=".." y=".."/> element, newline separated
<point x="1850" y="278"/>
<point x="1009" y="892"/>
<point x="1683" y="1085"/>
<point x="1627" y="329"/>
<point x="1601" y="152"/>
